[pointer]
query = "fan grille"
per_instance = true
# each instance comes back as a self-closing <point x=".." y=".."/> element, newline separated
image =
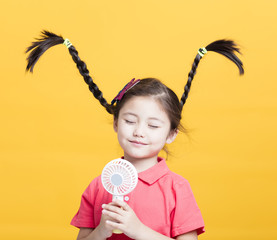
<point x="119" y="177"/>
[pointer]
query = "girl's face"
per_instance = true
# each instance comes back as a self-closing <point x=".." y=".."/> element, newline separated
<point x="143" y="128"/>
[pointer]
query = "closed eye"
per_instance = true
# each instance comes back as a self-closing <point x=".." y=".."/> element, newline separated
<point x="153" y="126"/>
<point x="129" y="122"/>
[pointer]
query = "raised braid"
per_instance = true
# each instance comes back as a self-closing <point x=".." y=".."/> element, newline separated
<point x="224" y="47"/>
<point x="85" y="73"/>
<point x="190" y="78"/>
<point x="48" y="40"/>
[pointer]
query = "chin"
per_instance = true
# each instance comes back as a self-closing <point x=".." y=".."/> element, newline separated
<point x="140" y="155"/>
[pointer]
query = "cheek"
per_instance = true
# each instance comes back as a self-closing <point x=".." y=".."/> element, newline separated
<point x="159" y="137"/>
<point x="123" y="130"/>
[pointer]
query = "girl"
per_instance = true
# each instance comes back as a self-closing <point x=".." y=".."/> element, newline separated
<point x="147" y="116"/>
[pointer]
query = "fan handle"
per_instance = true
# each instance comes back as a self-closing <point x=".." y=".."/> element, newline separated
<point x="121" y="198"/>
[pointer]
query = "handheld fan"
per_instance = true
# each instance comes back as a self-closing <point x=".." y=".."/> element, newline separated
<point x="119" y="177"/>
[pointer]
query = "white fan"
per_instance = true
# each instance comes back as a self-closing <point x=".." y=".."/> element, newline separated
<point x="119" y="177"/>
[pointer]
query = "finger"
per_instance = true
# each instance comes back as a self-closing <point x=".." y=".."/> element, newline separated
<point x="114" y="203"/>
<point x="122" y="204"/>
<point x="113" y="208"/>
<point x="115" y="225"/>
<point x="115" y="216"/>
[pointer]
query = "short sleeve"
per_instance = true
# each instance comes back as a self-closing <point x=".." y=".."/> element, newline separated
<point x="85" y="214"/>
<point x="186" y="216"/>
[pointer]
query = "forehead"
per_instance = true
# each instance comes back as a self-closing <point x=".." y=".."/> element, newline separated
<point x="144" y="106"/>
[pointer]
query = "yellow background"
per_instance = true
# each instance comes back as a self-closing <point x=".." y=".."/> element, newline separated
<point x="55" y="137"/>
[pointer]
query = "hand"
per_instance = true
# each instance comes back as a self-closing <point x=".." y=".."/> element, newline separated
<point x="122" y="217"/>
<point x="104" y="229"/>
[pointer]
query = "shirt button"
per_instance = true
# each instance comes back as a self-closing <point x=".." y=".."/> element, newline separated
<point x="126" y="198"/>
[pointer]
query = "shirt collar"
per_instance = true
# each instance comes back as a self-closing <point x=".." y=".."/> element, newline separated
<point x="154" y="173"/>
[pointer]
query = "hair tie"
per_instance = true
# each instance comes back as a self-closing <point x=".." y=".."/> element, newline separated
<point x="127" y="87"/>
<point x="202" y="51"/>
<point x="67" y="43"/>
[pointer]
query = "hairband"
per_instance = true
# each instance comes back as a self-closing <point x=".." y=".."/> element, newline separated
<point x="202" y="51"/>
<point x="67" y="43"/>
<point x="127" y="87"/>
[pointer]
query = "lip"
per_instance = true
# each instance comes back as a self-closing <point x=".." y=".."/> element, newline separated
<point x="137" y="143"/>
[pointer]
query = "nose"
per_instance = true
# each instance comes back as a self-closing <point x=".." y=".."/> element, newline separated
<point x="139" y="131"/>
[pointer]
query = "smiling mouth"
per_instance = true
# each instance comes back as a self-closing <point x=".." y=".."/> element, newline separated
<point x="138" y="143"/>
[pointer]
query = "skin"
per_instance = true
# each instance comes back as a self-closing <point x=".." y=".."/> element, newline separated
<point x="143" y="128"/>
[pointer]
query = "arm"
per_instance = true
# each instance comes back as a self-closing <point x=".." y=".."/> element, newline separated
<point x="90" y="234"/>
<point x="84" y="233"/>
<point x="122" y="217"/>
<point x="151" y="234"/>
<point x="101" y="232"/>
<point x="188" y="236"/>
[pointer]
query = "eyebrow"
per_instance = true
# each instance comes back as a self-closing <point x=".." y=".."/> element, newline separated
<point x="135" y="115"/>
<point x="129" y="113"/>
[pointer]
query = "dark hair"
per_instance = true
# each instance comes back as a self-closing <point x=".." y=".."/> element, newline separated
<point x="225" y="47"/>
<point x="160" y="92"/>
<point x="146" y="87"/>
<point x="48" y="40"/>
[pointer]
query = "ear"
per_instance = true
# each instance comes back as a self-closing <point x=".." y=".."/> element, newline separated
<point x="171" y="136"/>
<point x="115" y="125"/>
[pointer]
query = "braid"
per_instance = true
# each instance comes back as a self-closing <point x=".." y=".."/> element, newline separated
<point x="190" y="78"/>
<point x="223" y="47"/>
<point x="85" y="73"/>
<point x="48" y="40"/>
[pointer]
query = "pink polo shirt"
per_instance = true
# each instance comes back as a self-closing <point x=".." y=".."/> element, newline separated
<point x="162" y="200"/>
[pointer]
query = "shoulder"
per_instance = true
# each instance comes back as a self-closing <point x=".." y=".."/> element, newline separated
<point x="96" y="180"/>
<point x="95" y="191"/>
<point x="172" y="176"/>
<point x="176" y="178"/>
<point x="177" y="183"/>
<point x="94" y="185"/>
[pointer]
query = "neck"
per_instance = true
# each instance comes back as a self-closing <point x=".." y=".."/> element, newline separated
<point x="142" y="164"/>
